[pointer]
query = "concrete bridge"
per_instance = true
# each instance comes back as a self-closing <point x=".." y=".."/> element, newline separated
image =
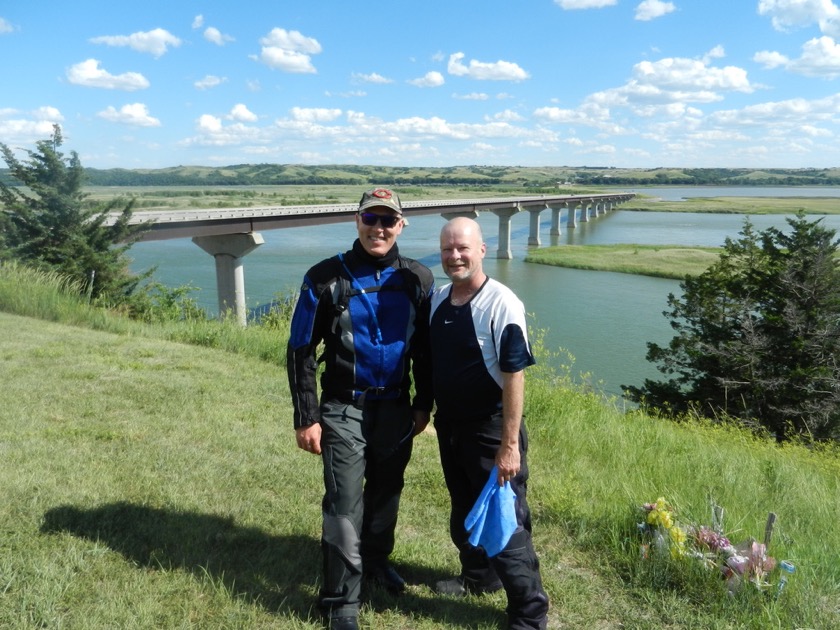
<point x="230" y="234"/>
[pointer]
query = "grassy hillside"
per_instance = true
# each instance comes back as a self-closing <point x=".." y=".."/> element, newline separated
<point x="151" y="483"/>
<point x="546" y="176"/>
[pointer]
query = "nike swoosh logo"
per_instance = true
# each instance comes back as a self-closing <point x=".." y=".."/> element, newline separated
<point x="448" y="321"/>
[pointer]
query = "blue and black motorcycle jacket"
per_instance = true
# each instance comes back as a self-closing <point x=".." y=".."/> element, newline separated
<point x="372" y="315"/>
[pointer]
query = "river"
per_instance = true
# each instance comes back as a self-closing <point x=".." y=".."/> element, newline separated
<point x="604" y="320"/>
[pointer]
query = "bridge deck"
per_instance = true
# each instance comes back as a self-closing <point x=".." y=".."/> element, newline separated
<point x="169" y="224"/>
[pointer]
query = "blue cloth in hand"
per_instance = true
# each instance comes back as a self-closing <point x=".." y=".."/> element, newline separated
<point x="492" y="520"/>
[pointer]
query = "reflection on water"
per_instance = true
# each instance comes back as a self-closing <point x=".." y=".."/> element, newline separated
<point x="603" y="319"/>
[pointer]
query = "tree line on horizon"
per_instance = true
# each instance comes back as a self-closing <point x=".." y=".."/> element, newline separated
<point x="472" y="175"/>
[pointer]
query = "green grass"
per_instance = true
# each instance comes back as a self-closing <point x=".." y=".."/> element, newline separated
<point x="663" y="261"/>
<point x="149" y="483"/>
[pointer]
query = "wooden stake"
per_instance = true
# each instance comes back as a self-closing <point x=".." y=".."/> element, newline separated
<point x="768" y="529"/>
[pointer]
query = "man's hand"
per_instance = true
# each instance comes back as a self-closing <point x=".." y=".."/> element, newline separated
<point x="507" y="462"/>
<point x="309" y="438"/>
<point x="421" y="421"/>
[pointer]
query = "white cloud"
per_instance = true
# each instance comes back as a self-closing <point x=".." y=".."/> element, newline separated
<point x="215" y="36"/>
<point x="5" y="27"/>
<point x="691" y="74"/>
<point x="820" y="58"/>
<point x="289" y="51"/>
<point x="361" y="138"/>
<point x="287" y="60"/>
<point x="770" y="59"/>
<point x="156" y="42"/>
<point x="210" y="81"/>
<point x="209" y="124"/>
<point x="816" y="132"/>
<point x="498" y="71"/>
<point x="291" y="40"/>
<point x="23" y="131"/>
<point x="198" y="21"/>
<point x="24" y="128"/>
<point x="472" y="96"/>
<point x="603" y="149"/>
<point x="788" y="112"/>
<point x="717" y="52"/>
<point x="241" y="113"/>
<point x="564" y="116"/>
<point x="585" y="4"/>
<point x="350" y="94"/>
<point x="507" y="115"/>
<point x="789" y="14"/>
<point x="89" y="74"/>
<point x="136" y="114"/>
<point x="373" y="77"/>
<point x="315" y="114"/>
<point x="430" y="79"/>
<point x="651" y="9"/>
<point x="47" y="113"/>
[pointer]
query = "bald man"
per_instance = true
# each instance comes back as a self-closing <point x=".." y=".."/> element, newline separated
<point x="479" y="354"/>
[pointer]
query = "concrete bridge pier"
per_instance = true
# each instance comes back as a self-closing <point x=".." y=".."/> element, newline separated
<point x="571" y="220"/>
<point x="505" y="215"/>
<point x="555" y="218"/>
<point x="584" y="211"/>
<point x="534" y="233"/>
<point x="229" y="250"/>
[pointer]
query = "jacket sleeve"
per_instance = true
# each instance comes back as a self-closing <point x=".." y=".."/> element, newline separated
<point x="421" y="359"/>
<point x="301" y="360"/>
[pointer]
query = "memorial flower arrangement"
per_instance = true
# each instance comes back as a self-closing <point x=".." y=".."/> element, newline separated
<point x="746" y="562"/>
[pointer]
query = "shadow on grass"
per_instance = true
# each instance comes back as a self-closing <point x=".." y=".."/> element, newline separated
<point x="278" y="573"/>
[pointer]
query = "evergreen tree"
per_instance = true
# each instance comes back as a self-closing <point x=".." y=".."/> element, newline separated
<point x="757" y="336"/>
<point x="49" y="223"/>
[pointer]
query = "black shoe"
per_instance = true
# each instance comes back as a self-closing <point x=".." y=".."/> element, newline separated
<point x="385" y="576"/>
<point x="461" y="587"/>
<point x="344" y="623"/>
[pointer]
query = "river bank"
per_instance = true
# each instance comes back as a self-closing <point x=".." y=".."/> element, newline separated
<point x="650" y="202"/>
<point x="657" y="261"/>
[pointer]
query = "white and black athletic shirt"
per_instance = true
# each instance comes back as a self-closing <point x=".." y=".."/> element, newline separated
<point x="471" y="346"/>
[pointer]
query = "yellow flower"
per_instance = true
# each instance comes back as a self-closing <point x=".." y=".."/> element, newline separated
<point x="677" y="534"/>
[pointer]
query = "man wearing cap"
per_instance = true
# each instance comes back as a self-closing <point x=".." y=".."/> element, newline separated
<point x="370" y="308"/>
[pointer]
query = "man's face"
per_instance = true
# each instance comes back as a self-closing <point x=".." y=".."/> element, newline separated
<point x="461" y="253"/>
<point x="377" y="239"/>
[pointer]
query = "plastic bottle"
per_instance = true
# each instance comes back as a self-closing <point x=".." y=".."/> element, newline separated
<point x="787" y="569"/>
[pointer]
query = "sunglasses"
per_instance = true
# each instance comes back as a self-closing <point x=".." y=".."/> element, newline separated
<point x="387" y="220"/>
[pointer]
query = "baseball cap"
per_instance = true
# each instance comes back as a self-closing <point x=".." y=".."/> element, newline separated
<point x="380" y="197"/>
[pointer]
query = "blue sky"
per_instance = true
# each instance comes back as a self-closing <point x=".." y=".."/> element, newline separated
<point x="624" y="83"/>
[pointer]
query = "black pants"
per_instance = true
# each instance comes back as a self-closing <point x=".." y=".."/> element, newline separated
<point x="467" y="453"/>
<point x="365" y="452"/>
